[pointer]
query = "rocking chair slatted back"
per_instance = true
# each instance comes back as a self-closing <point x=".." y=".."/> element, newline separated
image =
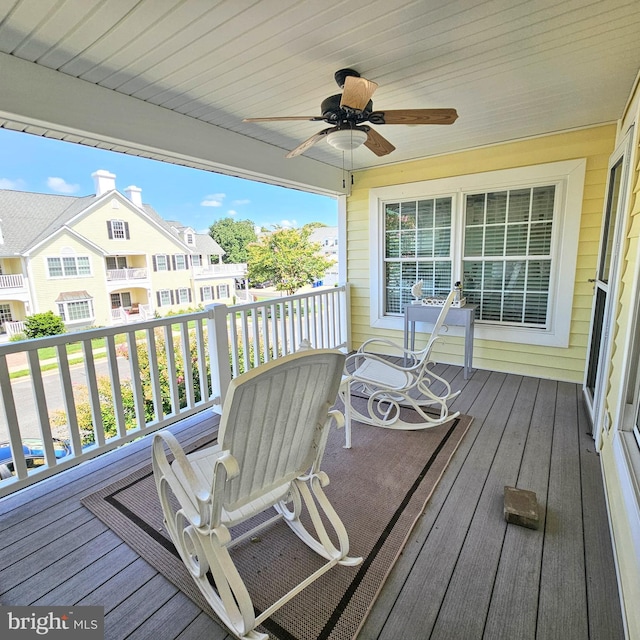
<point x="271" y="409"/>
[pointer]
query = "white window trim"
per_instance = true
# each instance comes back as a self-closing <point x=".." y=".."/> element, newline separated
<point x="180" y="292"/>
<point x="90" y="318"/>
<point x="61" y="257"/>
<point x="568" y="176"/>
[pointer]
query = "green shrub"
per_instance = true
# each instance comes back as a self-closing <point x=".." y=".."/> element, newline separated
<point x="17" y="337"/>
<point x="40" y="325"/>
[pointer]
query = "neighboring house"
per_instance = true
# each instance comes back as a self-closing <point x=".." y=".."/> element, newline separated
<point x="102" y="259"/>
<point x="328" y="239"/>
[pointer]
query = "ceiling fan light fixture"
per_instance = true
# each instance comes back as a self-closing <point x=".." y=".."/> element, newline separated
<point x="347" y="139"/>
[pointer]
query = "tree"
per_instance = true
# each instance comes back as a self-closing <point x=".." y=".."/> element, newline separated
<point x="287" y="258"/>
<point x="233" y="236"/>
<point x="44" y="324"/>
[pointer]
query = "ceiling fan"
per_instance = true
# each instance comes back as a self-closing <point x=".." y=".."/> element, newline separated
<point x="347" y="112"/>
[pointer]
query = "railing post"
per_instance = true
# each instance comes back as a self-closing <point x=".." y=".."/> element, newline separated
<point x="345" y="318"/>
<point x="218" y="352"/>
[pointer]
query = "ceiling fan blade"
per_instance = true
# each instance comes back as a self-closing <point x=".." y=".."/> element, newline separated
<point x="307" y="144"/>
<point x="276" y="119"/>
<point x="414" y="116"/>
<point x="377" y="143"/>
<point x="357" y="92"/>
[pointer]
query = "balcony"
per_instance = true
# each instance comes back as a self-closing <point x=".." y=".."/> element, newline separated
<point x="220" y="270"/>
<point x="12" y="281"/>
<point x="463" y="573"/>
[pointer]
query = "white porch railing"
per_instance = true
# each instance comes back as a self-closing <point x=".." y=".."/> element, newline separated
<point x="141" y="377"/>
<point x="127" y="274"/>
<point x="12" y="281"/>
<point x="222" y="269"/>
<point x="13" y="328"/>
<point x="125" y="316"/>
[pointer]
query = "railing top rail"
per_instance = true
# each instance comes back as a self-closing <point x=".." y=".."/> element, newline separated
<point x="278" y="300"/>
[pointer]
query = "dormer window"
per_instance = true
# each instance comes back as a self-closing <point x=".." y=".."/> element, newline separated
<point x="190" y="238"/>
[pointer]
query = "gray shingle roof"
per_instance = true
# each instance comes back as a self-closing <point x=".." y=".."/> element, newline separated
<point x="27" y="218"/>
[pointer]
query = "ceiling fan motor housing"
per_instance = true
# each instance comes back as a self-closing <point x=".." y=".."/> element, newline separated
<point x="333" y="113"/>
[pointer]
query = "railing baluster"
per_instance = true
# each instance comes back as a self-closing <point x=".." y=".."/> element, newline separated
<point x="116" y="388"/>
<point x="94" y="396"/>
<point x="68" y="399"/>
<point x="170" y="351"/>
<point x="11" y="416"/>
<point x="136" y="379"/>
<point x="154" y="372"/>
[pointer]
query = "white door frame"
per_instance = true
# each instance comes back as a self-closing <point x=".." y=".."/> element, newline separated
<point x="596" y="403"/>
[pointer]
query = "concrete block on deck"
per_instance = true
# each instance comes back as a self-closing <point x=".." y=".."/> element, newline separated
<point x="521" y="507"/>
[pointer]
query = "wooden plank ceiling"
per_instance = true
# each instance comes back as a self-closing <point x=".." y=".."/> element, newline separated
<point x="512" y="68"/>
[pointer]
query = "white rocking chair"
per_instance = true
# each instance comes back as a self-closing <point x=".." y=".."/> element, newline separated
<point x="273" y="431"/>
<point x="388" y="386"/>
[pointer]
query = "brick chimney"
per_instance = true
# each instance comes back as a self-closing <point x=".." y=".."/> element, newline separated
<point x="134" y="194"/>
<point x="103" y="181"/>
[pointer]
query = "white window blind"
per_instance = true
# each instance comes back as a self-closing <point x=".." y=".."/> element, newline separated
<point x="508" y="254"/>
<point x="417" y="247"/>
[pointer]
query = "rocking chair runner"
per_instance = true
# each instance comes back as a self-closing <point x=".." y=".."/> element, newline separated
<point x="387" y="386"/>
<point x="272" y="436"/>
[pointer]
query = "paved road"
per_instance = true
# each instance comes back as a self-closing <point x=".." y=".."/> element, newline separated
<point x="25" y="404"/>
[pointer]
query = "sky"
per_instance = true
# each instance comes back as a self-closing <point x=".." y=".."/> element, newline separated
<point x="195" y="198"/>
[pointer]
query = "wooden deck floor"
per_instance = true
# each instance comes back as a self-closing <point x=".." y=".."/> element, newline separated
<point x="464" y="574"/>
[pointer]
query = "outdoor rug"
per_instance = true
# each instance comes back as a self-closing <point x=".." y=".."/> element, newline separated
<point x="379" y="488"/>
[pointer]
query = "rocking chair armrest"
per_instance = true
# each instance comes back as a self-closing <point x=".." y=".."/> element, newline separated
<point x="195" y="489"/>
<point x="338" y="418"/>
<point x="407" y="354"/>
<point x="357" y="359"/>
<point x="382" y="341"/>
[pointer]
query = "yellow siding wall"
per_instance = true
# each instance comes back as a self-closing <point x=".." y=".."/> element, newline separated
<point x="48" y="289"/>
<point x="594" y="144"/>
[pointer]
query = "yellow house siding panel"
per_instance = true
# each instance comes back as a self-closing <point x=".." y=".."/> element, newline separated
<point x="594" y="144"/>
<point x="48" y="289"/>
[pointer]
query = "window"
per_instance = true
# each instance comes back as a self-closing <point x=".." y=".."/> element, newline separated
<point x="122" y="299"/>
<point x="69" y="266"/>
<point x="164" y="297"/>
<point x="223" y="291"/>
<point x="118" y="229"/>
<point x="5" y="314"/>
<point x="180" y="261"/>
<point x="190" y="238"/>
<point x="417" y="247"/>
<point x="510" y="236"/>
<point x="160" y="262"/>
<point x="206" y="294"/>
<point x="116" y="262"/>
<point x="183" y="295"/>
<point x="196" y="260"/>
<point x="508" y="254"/>
<point x="75" y="311"/>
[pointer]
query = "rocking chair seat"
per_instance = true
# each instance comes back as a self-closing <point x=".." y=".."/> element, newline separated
<point x="372" y="371"/>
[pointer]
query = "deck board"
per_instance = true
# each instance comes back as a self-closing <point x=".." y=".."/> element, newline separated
<point x="464" y="571"/>
<point x="513" y="608"/>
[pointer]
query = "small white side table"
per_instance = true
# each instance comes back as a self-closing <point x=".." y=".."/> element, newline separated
<point x="456" y="316"/>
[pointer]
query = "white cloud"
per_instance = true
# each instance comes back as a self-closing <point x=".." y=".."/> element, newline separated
<point x="232" y="212"/>
<point x="6" y="183"/>
<point x="237" y="202"/>
<point x="61" y="185"/>
<point x="213" y="200"/>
